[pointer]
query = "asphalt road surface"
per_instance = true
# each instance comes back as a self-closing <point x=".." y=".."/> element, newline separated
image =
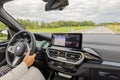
<point x="98" y="30"/>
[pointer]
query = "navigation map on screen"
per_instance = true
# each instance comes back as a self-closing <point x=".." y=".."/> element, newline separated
<point x="59" y="40"/>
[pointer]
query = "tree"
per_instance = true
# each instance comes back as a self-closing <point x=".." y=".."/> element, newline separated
<point x="43" y="24"/>
<point x="28" y="24"/>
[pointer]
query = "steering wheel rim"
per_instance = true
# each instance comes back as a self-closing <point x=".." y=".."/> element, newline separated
<point x="19" y="48"/>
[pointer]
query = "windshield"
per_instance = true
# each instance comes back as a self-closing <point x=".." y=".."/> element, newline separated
<point x="81" y="16"/>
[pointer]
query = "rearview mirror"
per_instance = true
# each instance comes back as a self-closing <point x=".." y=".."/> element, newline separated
<point x="55" y="4"/>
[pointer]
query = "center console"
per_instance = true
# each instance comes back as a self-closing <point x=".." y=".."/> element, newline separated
<point x="64" y="60"/>
<point x="65" y="56"/>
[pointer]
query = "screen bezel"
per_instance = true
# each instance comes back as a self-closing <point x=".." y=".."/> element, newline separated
<point x="80" y="42"/>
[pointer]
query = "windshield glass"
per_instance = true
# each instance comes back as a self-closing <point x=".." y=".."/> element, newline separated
<point x="81" y="16"/>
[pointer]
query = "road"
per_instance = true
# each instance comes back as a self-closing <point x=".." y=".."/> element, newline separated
<point x="95" y="30"/>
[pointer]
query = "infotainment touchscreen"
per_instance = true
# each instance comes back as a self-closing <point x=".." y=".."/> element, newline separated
<point x="69" y="40"/>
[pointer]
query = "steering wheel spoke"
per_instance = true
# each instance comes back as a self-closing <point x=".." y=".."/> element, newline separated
<point x="16" y="61"/>
<point x="11" y="49"/>
<point x="28" y="46"/>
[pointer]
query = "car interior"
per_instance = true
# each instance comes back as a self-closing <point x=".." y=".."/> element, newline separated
<point x="61" y="56"/>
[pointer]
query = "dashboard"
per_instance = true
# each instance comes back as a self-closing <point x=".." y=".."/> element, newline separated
<point x="98" y="55"/>
<point x="105" y="45"/>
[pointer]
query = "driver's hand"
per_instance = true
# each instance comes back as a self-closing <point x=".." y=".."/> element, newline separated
<point x="29" y="59"/>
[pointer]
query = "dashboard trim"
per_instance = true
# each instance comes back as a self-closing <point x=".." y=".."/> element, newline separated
<point x="62" y="60"/>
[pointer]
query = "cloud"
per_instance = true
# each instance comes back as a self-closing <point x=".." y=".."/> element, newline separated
<point x="79" y="10"/>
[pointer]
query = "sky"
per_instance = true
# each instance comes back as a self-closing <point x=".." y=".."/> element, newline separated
<point x="98" y="11"/>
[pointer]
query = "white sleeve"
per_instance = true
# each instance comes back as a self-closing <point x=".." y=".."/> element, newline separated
<point x="16" y="73"/>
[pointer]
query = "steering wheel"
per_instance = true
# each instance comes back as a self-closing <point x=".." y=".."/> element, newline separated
<point x="17" y="47"/>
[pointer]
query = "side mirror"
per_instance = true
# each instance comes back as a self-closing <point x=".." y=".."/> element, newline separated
<point x="3" y="35"/>
<point x="55" y="4"/>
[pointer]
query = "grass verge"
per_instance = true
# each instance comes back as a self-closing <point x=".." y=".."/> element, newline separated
<point x="60" y="29"/>
<point x="115" y="29"/>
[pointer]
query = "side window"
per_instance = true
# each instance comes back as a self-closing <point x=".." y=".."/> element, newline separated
<point x="3" y="32"/>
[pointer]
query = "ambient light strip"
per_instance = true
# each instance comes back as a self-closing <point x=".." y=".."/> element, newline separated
<point x="111" y="63"/>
